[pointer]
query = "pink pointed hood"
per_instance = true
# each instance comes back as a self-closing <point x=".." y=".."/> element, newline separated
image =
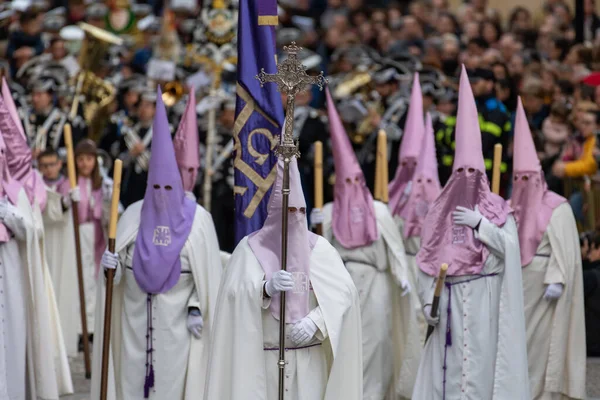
<point x="412" y="140"/>
<point x="266" y="244"/>
<point x="20" y="158"/>
<point x="354" y="220"/>
<point x="468" y="186"/>
<point x="187" y="144"/>
<point x="425" y="186"/>
<point x="12" y="108"/>
<point x="532" y="201"/>
<point x="8" y="187"/>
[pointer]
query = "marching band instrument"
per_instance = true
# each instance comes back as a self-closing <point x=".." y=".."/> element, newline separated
<point x="99" y="94"/>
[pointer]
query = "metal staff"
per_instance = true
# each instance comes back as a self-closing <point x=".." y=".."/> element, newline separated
<point x="110" y="275"/>
<point x="80" y="280"/>
<point x="496" y="168"/>
<point x="436" y="297"/>
<point x="291" y="79"/>
<point x="319" y="181"/>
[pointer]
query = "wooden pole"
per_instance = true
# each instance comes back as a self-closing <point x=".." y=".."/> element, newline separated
<point x="436" y="297"/>
<point x="110" y="275"/>
<point x="496" y="168"/>
<point x="319" y="181"/>
<point x="382" y="166"/>
<point x="378" y="181"/>
<point x="75" y="211"/>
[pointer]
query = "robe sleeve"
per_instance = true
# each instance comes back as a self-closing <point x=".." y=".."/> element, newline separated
<point x="194" y="300"/>
<point x="15" y="222"/>
<point x="54" y="210"/>
<point x="266" y="301"/>
<point x="316" y="315"/>
<point x="494" y="238"/>
<point x="554" y="272"/>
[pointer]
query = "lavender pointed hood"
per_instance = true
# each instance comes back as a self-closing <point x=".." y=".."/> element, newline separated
<point x="20" y="159"/>
<point x="441" y="240"/>
<point x="354" y="222"/>
<point x="187" y="144"/>
<point x="167" y="214"/>
<point x="412" y="140"/>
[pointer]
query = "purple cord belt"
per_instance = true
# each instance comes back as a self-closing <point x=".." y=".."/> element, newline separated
<point x="448" y="323"/>
<point x="292" y="348"/>
<point x="149" y="380"/>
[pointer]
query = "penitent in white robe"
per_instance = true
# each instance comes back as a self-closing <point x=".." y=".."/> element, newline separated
<point x="29" y="333"/>
<point x="60" y="253"/>
<point x="391" y="341"/>
<point x="179" y="359"/>
<point x="556" y="329"/>
<point x="487" y="358"/>
<point x="243" y="364"/>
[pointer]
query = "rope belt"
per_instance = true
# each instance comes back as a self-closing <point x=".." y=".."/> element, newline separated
<point x="149" y="380"/>
<point x="449" y="312"/>
<point x="292" y="348"/>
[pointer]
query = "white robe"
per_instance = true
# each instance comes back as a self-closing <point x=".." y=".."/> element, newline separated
<point x="240" y="367"/>
<point x="60" y="253"/>
<point x="30" y="333"/>
<point x="391" y="340"/>
<point x="556" y="329"/>
<point x="488" y="355"/>
<point x="179" y="359"/>
<point x="61" y="361"/>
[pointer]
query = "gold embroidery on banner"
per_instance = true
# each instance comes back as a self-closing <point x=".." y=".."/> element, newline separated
<point x="262" y="184"/>
<point x="260" y="158"/>
<point x="268" y="20"/>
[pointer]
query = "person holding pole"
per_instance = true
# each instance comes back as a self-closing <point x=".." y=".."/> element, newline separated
<point x="478" y="348"/>
<point x="320" y="299"/>
<point x="364" y="233"/>
<point x="20" y="167"/>
<point x="552" y="276"/>
<point x="167" y="273"/>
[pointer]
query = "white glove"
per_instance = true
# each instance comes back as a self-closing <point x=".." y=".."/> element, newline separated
<point x="405" y="286"/>
<point x="281" y="281"/>
<point x="195" y="323"/>
<point x="303" y="331"/>
<point x="427" y="313"/>
<point x="553" y="291"/>
<point x="109" y="260"/>
<point x="3" y="208"/>
<point x="464" y="216"/>
<point x="75" y="194"/>
<point x="316" y="217"/>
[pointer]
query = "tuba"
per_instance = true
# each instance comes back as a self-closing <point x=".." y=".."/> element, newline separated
<point x="99" y="94"/>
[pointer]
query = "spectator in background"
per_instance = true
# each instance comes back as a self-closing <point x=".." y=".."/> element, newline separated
<point x="533" y="96"/>
<point x="25" y="43"/>
<point x="590" y="252"/>
<point x="555" y="131"/>
<point x="586" y="165"/>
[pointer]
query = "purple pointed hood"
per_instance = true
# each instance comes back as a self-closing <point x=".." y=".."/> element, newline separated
<point x="187" y="144"/>
<point x="166" y="217"/>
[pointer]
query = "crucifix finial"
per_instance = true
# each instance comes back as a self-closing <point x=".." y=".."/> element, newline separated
<point x="291" y="78"/>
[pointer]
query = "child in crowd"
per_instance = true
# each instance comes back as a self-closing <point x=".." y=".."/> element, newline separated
<point x="556" y="130"/>
<point x="93" y="216"/>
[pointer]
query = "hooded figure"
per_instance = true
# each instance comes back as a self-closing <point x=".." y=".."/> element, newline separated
<point x="364" y="233"/>
<point x="167" y="276"/>
<point x="552" y="276"/>
<point x="187" y="145"/>
<point x="322" y="313"/>
<point x="410" y="148"/>
<point x="19" y="162"/>
<point x="33" y="363"/>
<point x="478" y="349"/>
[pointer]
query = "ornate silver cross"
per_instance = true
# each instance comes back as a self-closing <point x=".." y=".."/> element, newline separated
<point x="291" y="78"/>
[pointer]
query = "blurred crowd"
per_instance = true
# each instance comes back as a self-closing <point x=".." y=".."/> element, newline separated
<point x="545" y="55"/>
